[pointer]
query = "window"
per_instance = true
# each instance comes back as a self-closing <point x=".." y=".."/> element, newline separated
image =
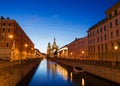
<point x="97" y="31"/>
<point x="101" y="30"/>
<point x="117" y="33"/>
<point x="111" y="34"/>
<point x="2" y="37"/>
<point x="93" y="40"/>
<point x="110" y="24"/>
<point x="116" y="12"/>
<point x="102" y="48"/>
<point x="8" y="29"/>
<point x="105" y="47"/>
<point x="110" y="15"/>
<point x="9" y="24"/>
<point x="3" y="30"/>
<point x="4" y="24"/>
<point x="98" y="48"/>
<point x="98" y="39"/>
<point x="93" y="33"/>
<point x="104" y="27"/>
<point x="7" y="44"/>
<point x="116" y="22"/>
<point x="118" y="45"/>
<point x="105" y="37"/>
<point x="101" y="38"/>
<point x="112" y="46"/>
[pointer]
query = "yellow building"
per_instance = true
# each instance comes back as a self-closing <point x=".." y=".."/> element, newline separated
<point x="104" y="37"/>
<point x="14" y="43"/>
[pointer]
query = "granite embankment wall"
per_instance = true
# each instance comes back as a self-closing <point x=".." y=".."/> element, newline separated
<point x="13" y="72"/>
<point x="104" y="70"/>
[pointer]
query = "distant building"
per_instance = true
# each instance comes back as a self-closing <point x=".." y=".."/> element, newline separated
<point x="104" y="37"/>
<point x="78" y="49"/>
<point x="52" y="50"/>
<point x="38" y="54"/>
<point x="63" y="52"/>
<point x="14" y="43"/>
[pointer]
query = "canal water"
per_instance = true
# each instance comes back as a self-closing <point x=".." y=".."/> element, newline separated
<point x="50" y="73"/>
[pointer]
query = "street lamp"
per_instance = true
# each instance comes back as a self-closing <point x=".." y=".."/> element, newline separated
<point x="116" y="48"/>
<point x="13" y="48"/>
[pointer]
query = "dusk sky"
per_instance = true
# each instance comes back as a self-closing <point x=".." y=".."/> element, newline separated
<point x="65" y="20"/>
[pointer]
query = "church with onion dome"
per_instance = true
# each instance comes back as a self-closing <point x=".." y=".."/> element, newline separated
<point x="52" y="49"/>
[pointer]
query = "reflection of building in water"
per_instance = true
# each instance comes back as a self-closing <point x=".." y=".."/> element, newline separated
<point x="63" y="72"/>
<point x="51" y="69"/>
<point x="52" y="50"/>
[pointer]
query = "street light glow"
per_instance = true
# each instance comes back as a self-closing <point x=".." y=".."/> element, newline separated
<point x="10" y="36"/>
<point x="83" y="52"/>
<point x="116" y="47"/>
<point x="26" y="45"/>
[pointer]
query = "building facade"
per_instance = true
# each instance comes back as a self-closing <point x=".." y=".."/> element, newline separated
<point x="63" y="52"/>
<point x="104" y="37"/>
<point x="38" y="54"/>
<point x="14" y="43"/>
<point x="78" y="49"/>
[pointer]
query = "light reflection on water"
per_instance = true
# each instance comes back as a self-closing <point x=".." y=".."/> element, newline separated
<point x="50" y="73"/>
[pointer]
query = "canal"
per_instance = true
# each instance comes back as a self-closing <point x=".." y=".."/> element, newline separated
<point x="50" y="73"/>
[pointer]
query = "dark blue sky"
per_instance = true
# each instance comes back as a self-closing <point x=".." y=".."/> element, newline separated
<point x="44" y="20"/>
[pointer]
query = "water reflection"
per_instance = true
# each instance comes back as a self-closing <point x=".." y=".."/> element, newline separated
<point x="50" y="73"/>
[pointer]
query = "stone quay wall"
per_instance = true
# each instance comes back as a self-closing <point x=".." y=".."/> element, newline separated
<point x="12" y="73"/>
<point x="106" y="70"/>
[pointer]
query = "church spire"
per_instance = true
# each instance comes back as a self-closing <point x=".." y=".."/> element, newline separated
<point x="54" y="44"/>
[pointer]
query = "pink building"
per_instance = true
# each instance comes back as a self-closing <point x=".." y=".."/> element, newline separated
<point x="104" y="37"/>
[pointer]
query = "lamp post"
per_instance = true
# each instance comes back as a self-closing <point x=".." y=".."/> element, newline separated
<point x="13" y="48"/>
<point x="116" y="48"/>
